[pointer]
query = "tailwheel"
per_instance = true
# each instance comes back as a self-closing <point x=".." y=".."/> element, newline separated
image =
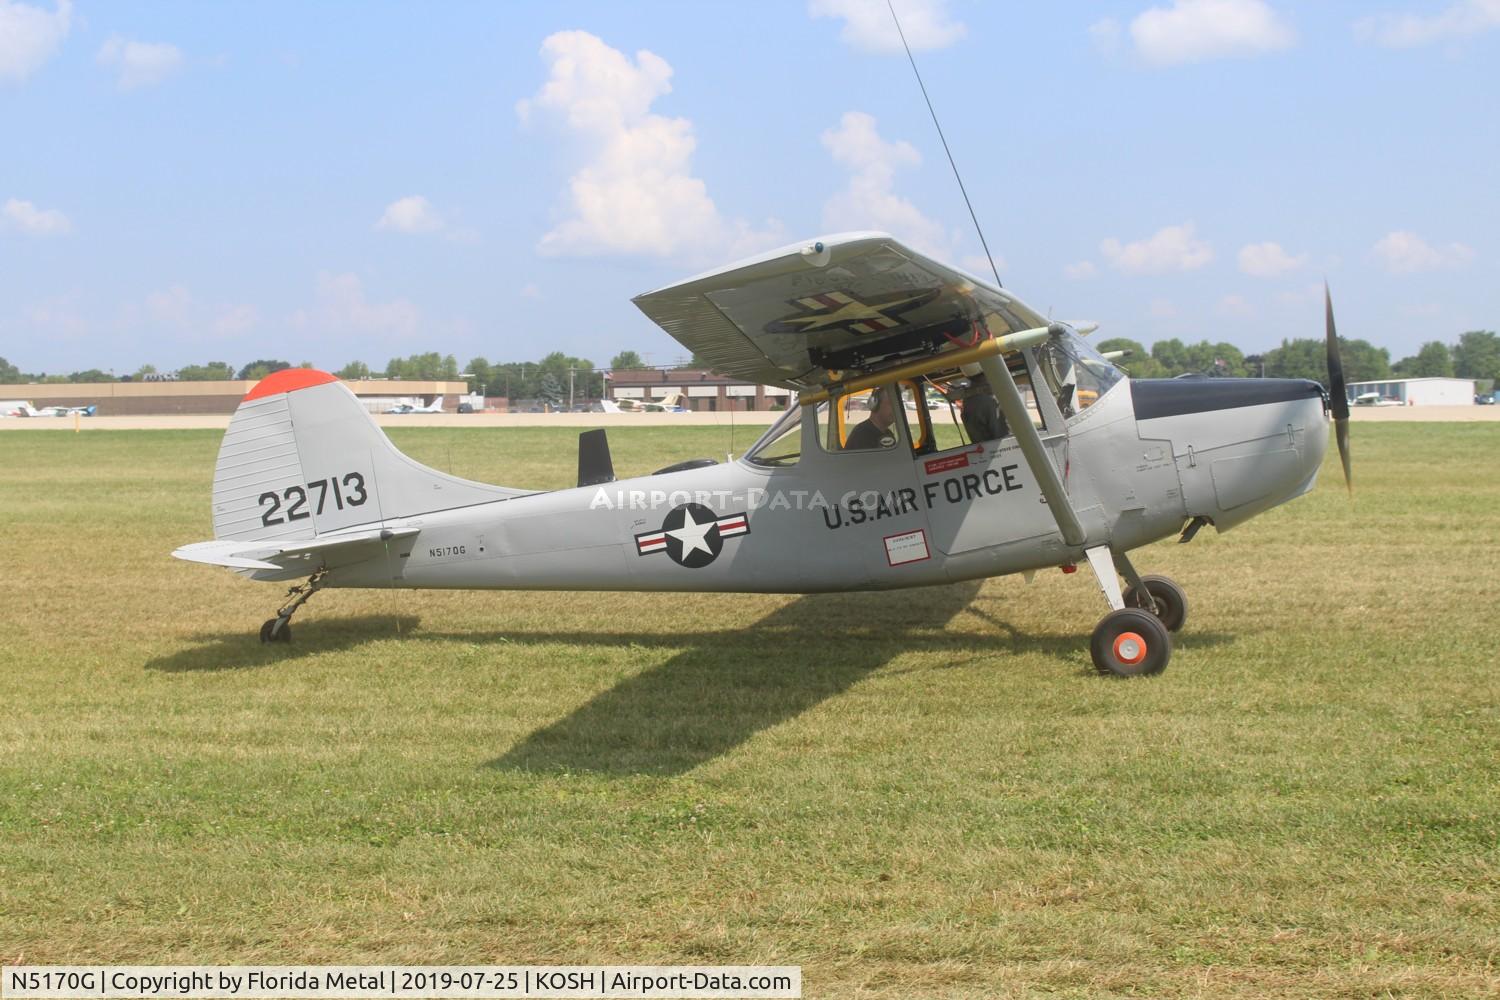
<point x="1161" y="596"/>
<point x="1131" y="642"/>
<point x="279" y="629"/>
<point x="270" y="633"/>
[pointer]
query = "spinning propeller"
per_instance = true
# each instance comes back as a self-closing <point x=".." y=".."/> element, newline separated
<point x="1338" y="401"/>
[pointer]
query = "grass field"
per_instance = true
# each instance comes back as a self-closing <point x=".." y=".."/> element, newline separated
<point x="913" y="794"/>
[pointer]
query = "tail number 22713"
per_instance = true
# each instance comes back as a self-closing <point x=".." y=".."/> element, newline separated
<point x="346" y="491"/>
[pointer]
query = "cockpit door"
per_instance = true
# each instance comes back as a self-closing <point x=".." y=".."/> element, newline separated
<point x="983" y="493"/>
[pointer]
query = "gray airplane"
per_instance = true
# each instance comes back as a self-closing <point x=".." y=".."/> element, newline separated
<point x="1065" y="460"/>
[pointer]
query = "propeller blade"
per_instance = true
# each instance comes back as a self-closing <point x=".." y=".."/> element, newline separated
<point x="1338" y="394"/>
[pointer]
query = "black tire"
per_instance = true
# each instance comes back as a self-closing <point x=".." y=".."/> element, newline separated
<point x="1167" y="600"/>
<point x="1130" y="642"/>
<point x="284" y="634"/>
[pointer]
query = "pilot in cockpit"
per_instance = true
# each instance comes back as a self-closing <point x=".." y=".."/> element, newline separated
<point x="878" y="430"/>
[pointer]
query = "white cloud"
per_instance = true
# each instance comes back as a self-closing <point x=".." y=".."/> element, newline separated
<point x="1173" y="248"/>
<point x="1403" y="252"/>
<point x="870" y="200"/>
<point x="1267" y="260"/>
<point x="235" y="319"/>
<point x="868" y="24"/>
<point x="33" y="221"/>
<point x="58" y="316"/>
<point x="1236" y="305"/>
<point x="29" y="35"/>
<point x="412" y="214"/>
<point x="1460" y="20"/>
<point x="170" y="307"/>
<point x="139" y="64"/>
<point x="342" y="308"/>
<point x="1080" y="271"/>
<point x="636" y="193"/>
<point x="1195" y="30"/>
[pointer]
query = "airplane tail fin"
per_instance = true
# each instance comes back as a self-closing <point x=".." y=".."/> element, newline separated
<point x="302" y="458"/>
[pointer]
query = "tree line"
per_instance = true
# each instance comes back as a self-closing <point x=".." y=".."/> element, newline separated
<point x="1475" y="355"/>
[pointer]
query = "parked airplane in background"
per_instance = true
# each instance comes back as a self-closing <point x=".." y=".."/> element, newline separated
<point x="670" y="403"/>
<point x="18" y="408"/>
<point x="1078" y="463"/>
<point x="407" y="406"/>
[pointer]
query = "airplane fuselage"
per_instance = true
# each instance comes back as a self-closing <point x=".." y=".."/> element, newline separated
<point x="1136" y="464"/>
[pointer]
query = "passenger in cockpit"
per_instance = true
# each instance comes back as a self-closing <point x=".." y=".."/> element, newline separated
<point x="982" y="419"/>
<point x="876" y="432"/>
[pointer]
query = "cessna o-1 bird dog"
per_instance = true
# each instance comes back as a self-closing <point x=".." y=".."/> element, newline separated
<point x="1067" y="460"/>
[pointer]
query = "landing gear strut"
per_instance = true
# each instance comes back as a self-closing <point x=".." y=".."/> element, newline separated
<point x="279" y="629"/>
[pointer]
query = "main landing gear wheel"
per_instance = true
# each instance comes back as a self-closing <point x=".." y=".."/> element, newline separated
<point x="1167" y="600"/>
<point x="1130" y="643"/>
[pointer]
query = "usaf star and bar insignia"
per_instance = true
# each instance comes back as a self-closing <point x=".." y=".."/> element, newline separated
<point x="692" y="535"/>
<point x="842" y="311"/>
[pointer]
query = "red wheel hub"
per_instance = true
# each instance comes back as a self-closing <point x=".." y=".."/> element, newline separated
<point x="1130" y="648"/>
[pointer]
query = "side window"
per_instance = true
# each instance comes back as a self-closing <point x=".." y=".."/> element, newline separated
<point x="781" y="446"/>
<point x="982" y="418"/>
<point x="864" y="421"/>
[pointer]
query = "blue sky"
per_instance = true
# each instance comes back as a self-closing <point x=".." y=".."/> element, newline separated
<point x="186" y="182"/>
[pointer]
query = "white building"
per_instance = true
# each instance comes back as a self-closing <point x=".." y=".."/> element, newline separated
<point x="1418" y="391"/>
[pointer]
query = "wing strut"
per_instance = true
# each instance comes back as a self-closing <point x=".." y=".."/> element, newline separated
<point x="1014" y="408"/>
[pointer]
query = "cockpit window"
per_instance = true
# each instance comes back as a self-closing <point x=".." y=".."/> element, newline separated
<point x="1077" y="374"/>
<point x="781" y="446"/>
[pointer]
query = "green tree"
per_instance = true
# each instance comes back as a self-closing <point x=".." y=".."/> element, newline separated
<point x="428" y="366"/>
<point x="1177" y="358"/>
<point x="143" y="371"/>
<point x="548" y="389"/>
<point x="214" y="371"/>
<point x="1139" y="363"/>
<point x="259" y="369"/>
<point x="479" y="375"/>
<point x="91" y="375"/>
<point x="626" y="359"/>
<point x="9" y="372"/>
<point x="1477" y="355"/>
<point x="1433" y="361"/>
<point x="1308" y="358"/>
<point x="1171" y="355"/>
<point x="353" y="371"/>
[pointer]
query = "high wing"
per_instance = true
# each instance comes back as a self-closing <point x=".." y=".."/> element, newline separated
<point x="801" y="316"/>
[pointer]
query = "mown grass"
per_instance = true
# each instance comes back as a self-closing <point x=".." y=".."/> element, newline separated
<point x="921" y="793"/>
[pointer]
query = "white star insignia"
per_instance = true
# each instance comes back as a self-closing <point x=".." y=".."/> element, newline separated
<point x="692" y="534"/>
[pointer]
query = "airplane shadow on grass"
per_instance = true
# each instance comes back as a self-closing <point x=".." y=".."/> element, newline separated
<point x="244" y="651"/>
<point x="719" y="689"/>
<point x="726" y="686"/>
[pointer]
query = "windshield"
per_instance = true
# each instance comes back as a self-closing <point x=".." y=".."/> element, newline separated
<point x="1077" y="373"/>
<point x="782" y="444"/>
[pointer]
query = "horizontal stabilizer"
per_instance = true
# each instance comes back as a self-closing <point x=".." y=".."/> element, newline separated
<point x="246" y="554"/>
